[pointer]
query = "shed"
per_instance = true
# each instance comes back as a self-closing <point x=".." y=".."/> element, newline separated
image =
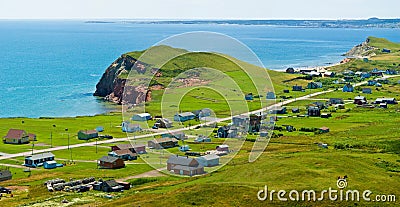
<point x="163" y="123"/>
<point x="162" y="143"/>
<point x="50" y="164"/>
<point x="184" y="148"/>
<point x="222" y="147"/>
<point x="270" y="95"/>
<point x="209" y="160"/>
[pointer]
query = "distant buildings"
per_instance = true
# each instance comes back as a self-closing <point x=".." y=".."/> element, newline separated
<point x="5" y="175"/>
<point x="163" y="143"/>
<point x="360" y="100"/>
<point x="385" y="100"/>
<point x="163" y="123"/>
<point x="129" y="127"/>
<point x="278" y="110"/>
<point x="348" y="88"/>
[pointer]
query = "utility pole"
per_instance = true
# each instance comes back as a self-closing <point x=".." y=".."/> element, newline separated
<point x="51" y="139"/>
<point x="96" y="146"/>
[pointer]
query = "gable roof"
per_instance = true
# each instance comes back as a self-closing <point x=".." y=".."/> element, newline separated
<point x="111" y="183"/>
<point x="210" y="157"/>
<point x="16" y="134"/>
<point x="108" y="159"/>
<point x="41" y="156"/>
<point x="181" y="160"/>
<point x="5" y="173"/>
<point x="124" y="152"/>
<point x="185" y="114"/>
<point x="88" y="131"/>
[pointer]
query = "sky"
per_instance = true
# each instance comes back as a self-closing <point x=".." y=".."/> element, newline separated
<point x="198" y="9"/>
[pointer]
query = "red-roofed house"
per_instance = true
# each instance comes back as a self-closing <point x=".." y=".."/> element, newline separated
<point x="16" y="136"/>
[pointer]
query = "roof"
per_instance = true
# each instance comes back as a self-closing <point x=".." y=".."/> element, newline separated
<point x="124" y="152"/>
<point x="41" y="156"/>
<point x="359" y="97"/>
<point x="223" y="146"/>
<point x="108" y="159"/>
<point x="88" y="131"/>
<point x="5" y="173"/>
<point x="129" y="146"/>
<point x="324" y="128"/>
<point x="111" y="183"/>
<point x="15" y="134"/>
<point x="51" y="162"/>
<point x="143" y="115"/>
<point x="186" y="114"/>
<point x="210" y="157"/>
<point x="180" y="160"/>
<point x="165" y="120"/>
<point x="162" y="140"/>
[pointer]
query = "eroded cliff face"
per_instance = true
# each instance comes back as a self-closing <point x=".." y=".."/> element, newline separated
<point x="361" y="50"/>
<point x="112" y="83"/>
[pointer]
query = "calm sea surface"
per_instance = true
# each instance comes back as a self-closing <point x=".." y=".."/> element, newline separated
<point x="50" y="68"/>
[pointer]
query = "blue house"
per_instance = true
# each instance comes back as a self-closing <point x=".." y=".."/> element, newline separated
<point x="186" y="116"/>
<point x="128" y="127"/>
<point x="141" y="117"/>
<point x="248" y="97"/>
<point x="202" y="112"/>
<point x="371" y="82"/>
<point x="38" y="160"/>
<point x="271" y="95"/>
<point x="365" y="75"/>
<point x="99" y="129"/>
<point x="390" y="72"/>
<point x="348" y="88"/>
<point x="184" y="148"/>
<point x="367" y="90"/>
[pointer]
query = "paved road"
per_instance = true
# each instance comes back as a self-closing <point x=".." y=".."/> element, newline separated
<point x="8" y="156"/>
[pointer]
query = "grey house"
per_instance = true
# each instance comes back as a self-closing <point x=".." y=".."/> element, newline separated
<point x="209" y="160"/>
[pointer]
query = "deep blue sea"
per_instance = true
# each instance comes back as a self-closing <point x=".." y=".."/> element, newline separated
<point x="50" y="68"/>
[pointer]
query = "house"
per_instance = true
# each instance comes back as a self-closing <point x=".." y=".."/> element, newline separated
<point x="385" y="50"/>
<point x="365" y="75"/>
<point x="16" y="136"/>
<point x="210" y="160"/>
<point x="51" y="165"/>
<point x="109" y="162"/>
<point x="177" y="135"/>
<point x="290" y="70"/>
<point x="367" y="90"/>
<point x="360" y="100"/>
<point x="162" y="143"/>
<point x="202" y="138"/>
<point x="314" y="85"/>
<point x="183" y="165"/>
<point x="333" y="101"/>
<point x="348" y="88"/>
<point x="390" y="72"/>
<point x="109" y="186"/>
<point x="5" y="175"/>
<point x="202" y="113"/>
<point x="227" y="131"/>
<point x="125" y="154"/>
<point x="248" y="97"/>
<point x="371" y="82"/>
<point x="297" y="88"/>
<point x="295" y="110"/>
<point x="37" y="160"/>
<point x="324" y="130"/>
<point x="329" y="74"/>
<point x="286" y="91"/>
<point x="163" y="123"/>
<point x="184" y="148"/>
<point x="129" y="127"/>
<point x="377" y="73"/>
<point x="318" y="104"/>
<point x="222" y="148"/>
<point x="378" y="85"/>
<point x="313" y="111"/>
<point x="385" y="100"/>
<point x="87" y="134"/>
<point x="135" y="148"/>
<point x="185" y="116"/>
<point x="141" y="117"/>
<point x="278" y="110"/>
<point x="271" y="95"/>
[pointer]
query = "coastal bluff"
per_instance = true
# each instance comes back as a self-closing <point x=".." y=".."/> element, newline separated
<point x="112" y="83"/>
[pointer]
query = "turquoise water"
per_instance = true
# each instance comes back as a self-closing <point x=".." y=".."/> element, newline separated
<point x="50" y="68"/>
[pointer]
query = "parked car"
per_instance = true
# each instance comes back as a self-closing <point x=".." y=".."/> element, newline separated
<point x="5" y="190"/>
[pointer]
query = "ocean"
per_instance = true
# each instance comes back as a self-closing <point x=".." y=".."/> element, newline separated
<point x="50" y="68"/>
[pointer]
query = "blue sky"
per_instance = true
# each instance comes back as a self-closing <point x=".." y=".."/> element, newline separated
<point x="198" y="9"/>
